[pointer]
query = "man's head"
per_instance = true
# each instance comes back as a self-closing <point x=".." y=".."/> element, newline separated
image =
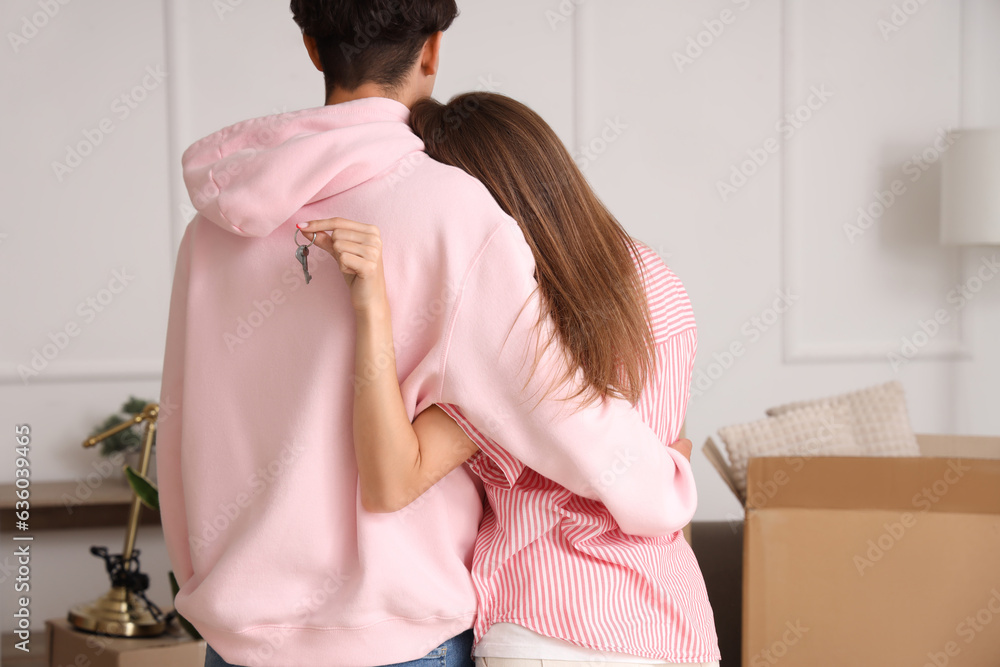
<point x="388" y="48"/>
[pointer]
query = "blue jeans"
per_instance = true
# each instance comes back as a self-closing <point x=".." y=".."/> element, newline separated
<point x="456" y="652"/>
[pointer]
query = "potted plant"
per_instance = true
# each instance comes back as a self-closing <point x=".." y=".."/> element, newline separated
<point x="150" y="496"/>
<point x="126" y="445"/>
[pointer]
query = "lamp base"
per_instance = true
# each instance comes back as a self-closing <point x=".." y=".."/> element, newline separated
<point x="118" y="613"/>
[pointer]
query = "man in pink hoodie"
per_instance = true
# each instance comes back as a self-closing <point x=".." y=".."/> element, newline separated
<point x="279" y="565"/>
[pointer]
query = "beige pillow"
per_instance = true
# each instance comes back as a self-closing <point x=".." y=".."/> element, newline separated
<point x="823" y="430"/>
<point x="880" y="423"/>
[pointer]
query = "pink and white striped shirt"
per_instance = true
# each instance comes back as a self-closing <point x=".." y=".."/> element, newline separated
<point x="558" y="564"/>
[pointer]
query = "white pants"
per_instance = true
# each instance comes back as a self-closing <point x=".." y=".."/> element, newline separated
<point x="525" y="662"/>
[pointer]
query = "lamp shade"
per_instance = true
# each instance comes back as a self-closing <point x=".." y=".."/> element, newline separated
<point x="970" y="188"/>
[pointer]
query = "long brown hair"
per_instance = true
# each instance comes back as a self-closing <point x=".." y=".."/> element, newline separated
<point x="584" y="267"/>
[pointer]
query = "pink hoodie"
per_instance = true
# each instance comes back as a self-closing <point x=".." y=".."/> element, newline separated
<point x="278" y="562"/>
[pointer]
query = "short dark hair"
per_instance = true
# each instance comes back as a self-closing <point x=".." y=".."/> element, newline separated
<point x="377" y="41"/>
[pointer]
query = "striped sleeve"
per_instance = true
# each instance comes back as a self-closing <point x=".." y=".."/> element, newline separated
<point x="667" y="402"/>
<point x="489" y="452"/>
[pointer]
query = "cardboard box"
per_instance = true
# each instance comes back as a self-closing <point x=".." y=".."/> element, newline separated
<point x="873" y="561"/>
<point x="70" y="647"/>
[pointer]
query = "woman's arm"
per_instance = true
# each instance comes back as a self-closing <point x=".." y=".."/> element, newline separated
<point x="397" y="460"/>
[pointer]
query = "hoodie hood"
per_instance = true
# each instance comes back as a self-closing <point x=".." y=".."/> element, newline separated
<point x="251" y="177"/>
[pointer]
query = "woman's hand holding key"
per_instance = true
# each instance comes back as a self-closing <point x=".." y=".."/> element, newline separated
<point x="357" y="247"/>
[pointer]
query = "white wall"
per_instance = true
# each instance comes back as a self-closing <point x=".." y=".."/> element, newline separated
<point x="582" y="64"/>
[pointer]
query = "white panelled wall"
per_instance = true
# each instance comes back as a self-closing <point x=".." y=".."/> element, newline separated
<point x="738" y="138"/>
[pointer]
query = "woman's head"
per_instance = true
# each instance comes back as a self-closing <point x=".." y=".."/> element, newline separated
<point x="583" y="257"/>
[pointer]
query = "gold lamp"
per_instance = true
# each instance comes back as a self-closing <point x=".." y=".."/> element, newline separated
<point x="122" y="611"/>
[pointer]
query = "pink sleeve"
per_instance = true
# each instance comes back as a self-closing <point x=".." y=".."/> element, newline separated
<point x="604" y="451"/>
<point x="173" y="515"/>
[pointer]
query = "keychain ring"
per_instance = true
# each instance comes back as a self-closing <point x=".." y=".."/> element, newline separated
<point x="295" y="237"/>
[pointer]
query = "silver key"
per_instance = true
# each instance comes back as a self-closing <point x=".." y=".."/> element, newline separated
<point x="302" y="254"/>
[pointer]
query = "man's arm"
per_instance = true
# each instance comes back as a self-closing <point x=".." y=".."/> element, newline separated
<point x="604" y="451"/>
<point x="173" y="515"/>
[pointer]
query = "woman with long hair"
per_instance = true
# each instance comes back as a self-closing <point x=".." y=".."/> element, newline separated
<point x="556" y="578"/>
